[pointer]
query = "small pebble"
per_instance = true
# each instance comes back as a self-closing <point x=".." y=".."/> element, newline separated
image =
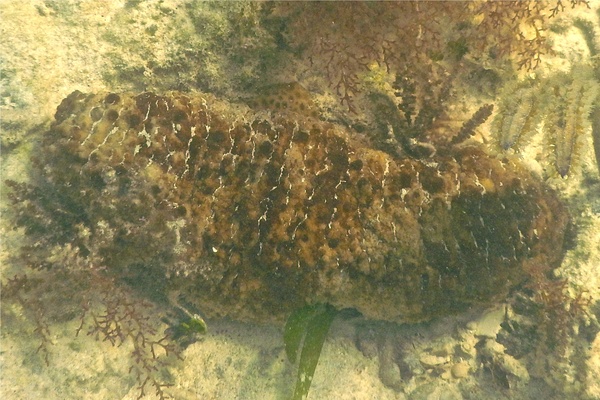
<point x="460" y="370"/>
<point x="431" y="361"/>
<point x="472" y="326"/>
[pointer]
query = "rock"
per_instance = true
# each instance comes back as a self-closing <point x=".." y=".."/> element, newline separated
<point x="592" y="380"/>
<point x="508" y="370"/>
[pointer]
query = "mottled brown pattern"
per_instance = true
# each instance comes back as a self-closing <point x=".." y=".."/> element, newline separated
<point x="251" y="217"/>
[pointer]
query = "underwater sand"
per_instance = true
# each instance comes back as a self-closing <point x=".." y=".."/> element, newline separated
<point x="51" y="48"/>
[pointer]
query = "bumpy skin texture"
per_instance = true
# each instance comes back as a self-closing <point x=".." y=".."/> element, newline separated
<point x="252" y="216"/>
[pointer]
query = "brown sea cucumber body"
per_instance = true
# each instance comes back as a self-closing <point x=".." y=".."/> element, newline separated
<point x="253" y="216"/>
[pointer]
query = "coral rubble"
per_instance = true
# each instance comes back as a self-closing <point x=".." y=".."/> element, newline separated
<point x="253" y="216"/>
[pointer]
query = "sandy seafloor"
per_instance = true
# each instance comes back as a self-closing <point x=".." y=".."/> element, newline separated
<point x="50" y="48"/>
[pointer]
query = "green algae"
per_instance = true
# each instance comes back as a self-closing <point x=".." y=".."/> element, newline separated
<point x="305" y="332"/>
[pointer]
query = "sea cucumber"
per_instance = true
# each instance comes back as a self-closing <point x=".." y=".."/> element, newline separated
<point x="252" y="216"/>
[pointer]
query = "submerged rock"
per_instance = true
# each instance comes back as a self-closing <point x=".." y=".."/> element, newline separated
<point x="252" y="216"/>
